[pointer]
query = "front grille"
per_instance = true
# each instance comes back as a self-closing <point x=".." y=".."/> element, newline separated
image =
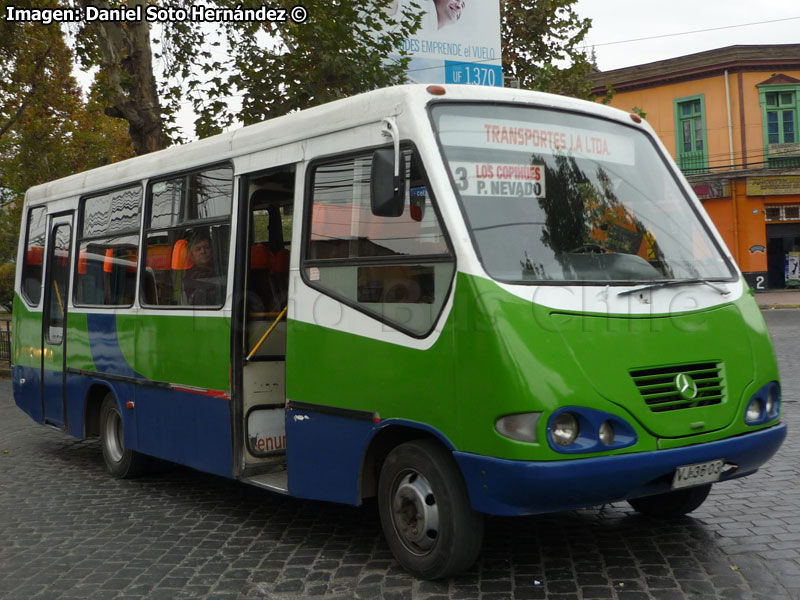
<point x="658" y="387"/>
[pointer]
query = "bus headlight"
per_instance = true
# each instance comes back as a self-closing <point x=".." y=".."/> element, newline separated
<point x="754" y="411"/>
<point x="769" y="408"/>
<point x="607" y="433"/>
<point x="579" y="429"/>
<point x="773" y="406"/>
<point x="765" y="405"/>
<point x="565" y="429"/>
<point x="520" y="427"/>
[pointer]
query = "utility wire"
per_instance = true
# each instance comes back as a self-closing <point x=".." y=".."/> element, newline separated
<point x="666" y="35"/>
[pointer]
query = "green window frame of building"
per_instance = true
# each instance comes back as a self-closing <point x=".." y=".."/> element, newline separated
<point x="780" y="107"/>
<point x="691" y="145"/>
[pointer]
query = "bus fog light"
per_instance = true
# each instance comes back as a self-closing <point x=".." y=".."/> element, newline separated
<point x="607" y="433"/>
<point x="520" y="427"/>
<point x="754" y="411"/>
<point x="565" y="429"/>
<point x="773" y="406"/>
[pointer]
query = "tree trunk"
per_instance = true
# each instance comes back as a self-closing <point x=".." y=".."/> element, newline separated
<point x="127" y="77"/>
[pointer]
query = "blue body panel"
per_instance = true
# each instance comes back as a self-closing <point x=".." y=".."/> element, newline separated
<point x="104" y="345"/>
<point x="28" y="395"/>
<point x="183" y="426"/>
<point x="324" y="453"/>
<point x="507" y="487"/>
<point x="53" y="382"/>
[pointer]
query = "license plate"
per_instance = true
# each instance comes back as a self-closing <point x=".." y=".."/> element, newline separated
<point x="698" y="474"/>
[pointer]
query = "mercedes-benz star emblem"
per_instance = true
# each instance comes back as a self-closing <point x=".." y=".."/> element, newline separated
<point x="687" y="388"/>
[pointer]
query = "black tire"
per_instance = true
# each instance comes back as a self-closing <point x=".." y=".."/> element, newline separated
<point x="671" y="504"/>
<point x="425" y="511"/>
<point x="122" y="462"/>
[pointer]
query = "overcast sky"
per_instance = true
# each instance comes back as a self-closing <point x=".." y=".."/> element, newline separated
<point x="619" y="20"/>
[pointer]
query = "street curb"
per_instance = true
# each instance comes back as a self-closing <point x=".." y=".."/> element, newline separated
<point x="774" y="306"/>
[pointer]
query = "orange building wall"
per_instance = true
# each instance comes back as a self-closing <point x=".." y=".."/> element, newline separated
<point x="721" y="213"/>
<point x="740" y="221"/>
<point x="658" y="104"/>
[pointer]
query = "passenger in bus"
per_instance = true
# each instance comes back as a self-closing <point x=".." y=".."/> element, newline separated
<point x="202" y="285"/>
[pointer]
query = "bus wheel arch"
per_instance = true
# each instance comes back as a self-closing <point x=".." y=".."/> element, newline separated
<point x="121" y="461"/>
<point x="92" y="405"/>
<point x="425" y="511"/>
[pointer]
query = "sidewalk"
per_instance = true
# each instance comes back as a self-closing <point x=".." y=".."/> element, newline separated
<point x="779" y="299"/>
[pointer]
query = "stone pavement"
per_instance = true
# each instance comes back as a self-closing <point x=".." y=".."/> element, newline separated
<point x="67" y="530"/>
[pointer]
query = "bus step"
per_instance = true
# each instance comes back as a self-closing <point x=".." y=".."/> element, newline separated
<point x="277" y="481"/>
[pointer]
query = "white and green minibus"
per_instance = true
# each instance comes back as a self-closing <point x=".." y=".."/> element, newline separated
<point x="459" y="300"/>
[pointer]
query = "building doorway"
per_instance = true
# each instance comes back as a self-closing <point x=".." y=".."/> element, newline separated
<point x="782" y="238"/>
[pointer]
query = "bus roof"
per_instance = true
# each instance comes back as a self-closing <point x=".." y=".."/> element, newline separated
<point x="319" y="120"/>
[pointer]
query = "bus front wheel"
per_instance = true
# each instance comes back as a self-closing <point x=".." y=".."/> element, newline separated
<point x="672" y="504"/>
<point x="425" y="511"/>
<point x="122" y="462"/>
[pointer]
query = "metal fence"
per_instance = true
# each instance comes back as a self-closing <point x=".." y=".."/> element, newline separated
<point x="5" y="341"/>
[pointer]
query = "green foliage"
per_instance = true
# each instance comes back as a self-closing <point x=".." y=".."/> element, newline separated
<point x="540" y="35"/>
<point x="31" y="60"/>
<point x="7" y="271"/>
<point x="639" y="111"/>
<point x="57" y="134"/>
<point x="340" y="50"/>
<point x="126" y="82"/>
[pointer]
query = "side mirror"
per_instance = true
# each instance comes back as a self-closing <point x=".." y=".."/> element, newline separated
<point x="387" y="184"/>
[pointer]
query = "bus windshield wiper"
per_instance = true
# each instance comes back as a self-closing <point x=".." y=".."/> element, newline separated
<point x="673" y="282"/>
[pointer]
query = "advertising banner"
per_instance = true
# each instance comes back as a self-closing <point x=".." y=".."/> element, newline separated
<point x="792" y="264"/>
<point x="773" y="185"/>
<point x="458" y="42"/>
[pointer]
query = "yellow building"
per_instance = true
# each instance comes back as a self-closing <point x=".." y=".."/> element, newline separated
<point x="729" y="117"/>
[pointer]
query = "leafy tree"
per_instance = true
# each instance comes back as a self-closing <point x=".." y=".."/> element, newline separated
<point x="537" y="36"/>
<point x="7" y="271"/>
<point x="56" y="134"/>
<point x="278" y="67"/>
<point x="31" y="60"/>
<point x="126" y="81"/>
<point x="340" y="50"/>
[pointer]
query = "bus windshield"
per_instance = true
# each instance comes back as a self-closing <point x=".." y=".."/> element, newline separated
<point x="557" y="196"/>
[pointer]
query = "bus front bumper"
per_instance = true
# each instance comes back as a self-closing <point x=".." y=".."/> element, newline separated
<point x="511" y="487"/>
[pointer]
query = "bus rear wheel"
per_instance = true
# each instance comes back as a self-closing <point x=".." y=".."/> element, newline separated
<point x="425" y="511"/>
<point x="672" y="504"/>
<point x="121" y="462"/>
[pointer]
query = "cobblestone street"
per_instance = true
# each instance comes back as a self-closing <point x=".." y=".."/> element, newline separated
<point x="68" y="530"/>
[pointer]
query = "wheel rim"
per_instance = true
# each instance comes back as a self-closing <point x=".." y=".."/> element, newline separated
<point x="112" y="436"/>
<point x="415" y="512"/>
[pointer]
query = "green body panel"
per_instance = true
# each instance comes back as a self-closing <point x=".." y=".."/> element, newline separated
<point x="26" y="335"/>
<point x="606" y="349"/>
<point x="190" y="350"/>
<point x="499" y="354"/>
<point x="182" y="349"/>
<point x="329" y="367"/>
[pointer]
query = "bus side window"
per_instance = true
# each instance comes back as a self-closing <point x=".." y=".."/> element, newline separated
<point x="398" y="269"/>
<point x="108" y="248"/>
<point x="187" y="239"/>
<point x="32" y="259"/>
